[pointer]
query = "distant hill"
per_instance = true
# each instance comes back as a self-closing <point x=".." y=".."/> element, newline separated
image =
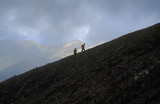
<point x="16" y="69"/>
<point x="122" y="71"/>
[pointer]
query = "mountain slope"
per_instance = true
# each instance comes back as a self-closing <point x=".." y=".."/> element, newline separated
<point x="122" y="71"/>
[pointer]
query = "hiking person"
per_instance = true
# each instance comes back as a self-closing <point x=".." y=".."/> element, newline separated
<point x="83" y="47"/>
<point x="75" y="51"/>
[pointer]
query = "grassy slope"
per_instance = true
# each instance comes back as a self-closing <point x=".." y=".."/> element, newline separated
<point x="124" y="70"/>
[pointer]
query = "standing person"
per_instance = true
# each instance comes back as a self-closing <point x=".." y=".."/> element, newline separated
<point x="83" y="47"/>
<point x="75" y="51"/>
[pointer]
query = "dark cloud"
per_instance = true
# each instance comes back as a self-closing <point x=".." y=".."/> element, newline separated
<point x="58" y="21"/>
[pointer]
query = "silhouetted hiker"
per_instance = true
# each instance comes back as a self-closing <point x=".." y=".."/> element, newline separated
<point x="75" y="51"/>
<point x="83" y="47"/>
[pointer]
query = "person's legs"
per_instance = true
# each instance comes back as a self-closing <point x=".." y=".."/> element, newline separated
<point x="82" y="49"/>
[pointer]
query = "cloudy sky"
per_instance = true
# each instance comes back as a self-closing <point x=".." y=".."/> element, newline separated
<point x="55" y="22"/>
<point x="53" y="28"/>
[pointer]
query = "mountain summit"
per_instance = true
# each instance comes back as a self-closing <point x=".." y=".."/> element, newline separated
<point x="123" y="71"/>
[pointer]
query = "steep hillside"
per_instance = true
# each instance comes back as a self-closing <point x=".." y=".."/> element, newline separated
<point x="123" y="71"/>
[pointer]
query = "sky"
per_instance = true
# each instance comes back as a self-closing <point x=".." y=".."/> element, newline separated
<point x="49" y="30"/>
<point x="55" y="22"/>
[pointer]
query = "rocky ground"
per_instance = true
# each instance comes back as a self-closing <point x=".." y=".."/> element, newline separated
<point x="123" y="71"/>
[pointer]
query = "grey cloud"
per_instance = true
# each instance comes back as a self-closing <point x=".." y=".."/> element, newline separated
<point x="46" y="17"/>
<point x="120" y="17"/>
<point x="55" y="22"/>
